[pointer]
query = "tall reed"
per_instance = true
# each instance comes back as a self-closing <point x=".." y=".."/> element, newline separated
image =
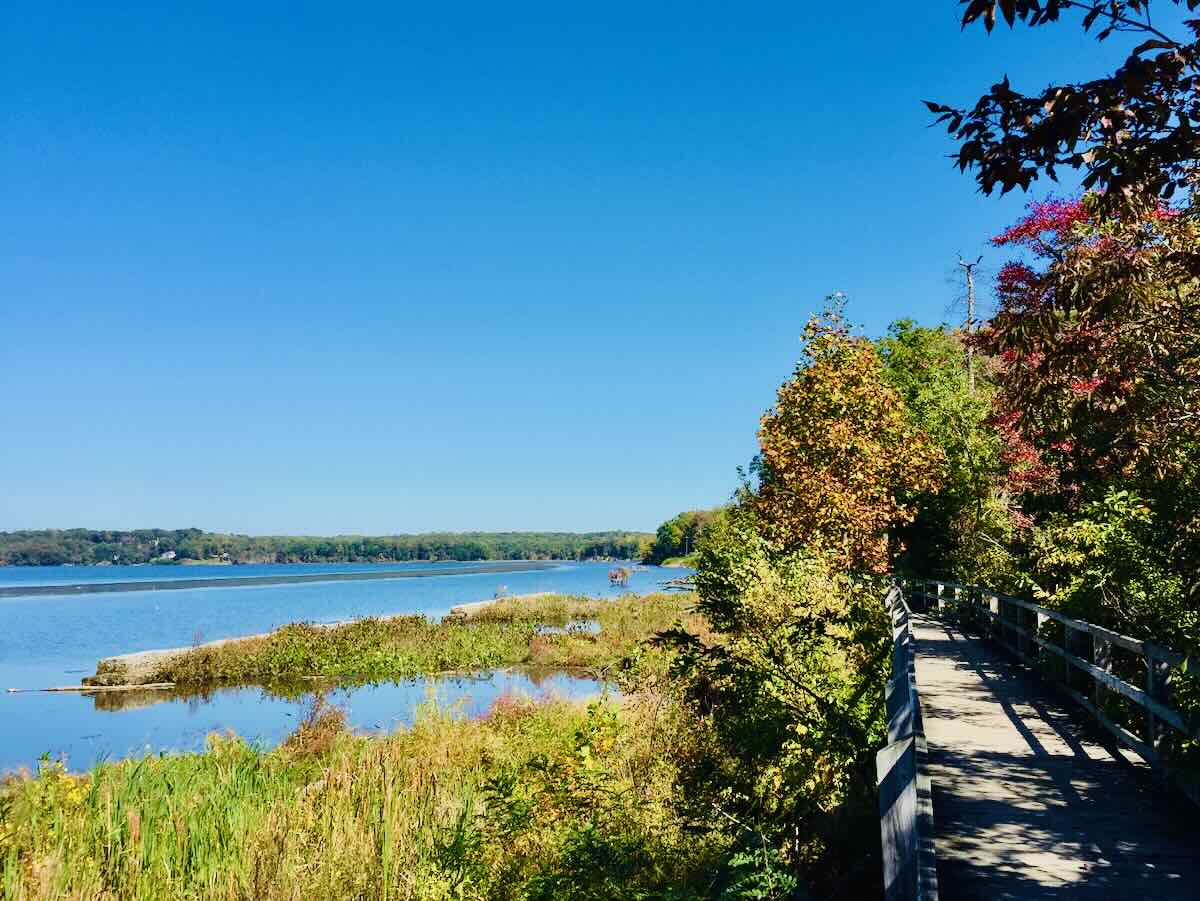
<point x="509" y="805"/>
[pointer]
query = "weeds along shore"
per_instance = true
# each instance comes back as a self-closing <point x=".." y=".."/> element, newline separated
<point x="518" y="803"/>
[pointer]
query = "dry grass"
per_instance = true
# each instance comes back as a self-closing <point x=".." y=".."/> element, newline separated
<point x="319" y="729"/>
<point x="546" y="610"/>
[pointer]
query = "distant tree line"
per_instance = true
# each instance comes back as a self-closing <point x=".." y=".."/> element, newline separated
<point x="53" y="547"/>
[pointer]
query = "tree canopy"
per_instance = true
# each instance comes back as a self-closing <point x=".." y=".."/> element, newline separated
<point x="839" y="456"/>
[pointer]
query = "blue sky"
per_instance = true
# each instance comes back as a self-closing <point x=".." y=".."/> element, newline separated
<point x="314" y="268"/>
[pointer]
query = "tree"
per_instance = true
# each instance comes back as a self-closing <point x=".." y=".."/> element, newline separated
<point x="680" y="535"/>
<point x="958" y="529"/>
<point x="1098" y="340"/>
<point x="839" y="456"/>
<point x="1097" y="352"/>
<point x="1133" y="132"/>
<point x="785" y="691"/>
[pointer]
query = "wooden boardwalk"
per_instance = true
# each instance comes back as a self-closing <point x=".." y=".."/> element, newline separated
<point x="1029" y="802"/>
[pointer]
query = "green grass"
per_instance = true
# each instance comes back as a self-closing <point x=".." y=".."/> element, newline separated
<point x="691" y="560"/>
<point x="508" y="633"/>
<point x="537" y="800"/>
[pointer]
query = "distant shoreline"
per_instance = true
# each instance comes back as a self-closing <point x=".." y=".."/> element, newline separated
<point x="11" y="591"/>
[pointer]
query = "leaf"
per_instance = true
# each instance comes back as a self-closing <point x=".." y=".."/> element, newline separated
<point x="1151" y="45"/>
<point x="974" y="10"/>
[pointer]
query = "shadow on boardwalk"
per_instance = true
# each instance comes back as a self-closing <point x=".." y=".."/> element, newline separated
<point x="1028" y="801"/>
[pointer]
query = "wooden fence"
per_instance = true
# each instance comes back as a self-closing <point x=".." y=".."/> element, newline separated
<point x="905" y="798"/>
<point x="1082" y="663"/>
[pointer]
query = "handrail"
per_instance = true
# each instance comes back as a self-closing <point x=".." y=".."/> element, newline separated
<point x="902" y="771"/>
<point x="1137" y="646"/>
<point x="1016" y="625"/>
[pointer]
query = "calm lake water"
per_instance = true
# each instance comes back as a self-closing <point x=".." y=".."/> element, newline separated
<point x="55" y="640"/>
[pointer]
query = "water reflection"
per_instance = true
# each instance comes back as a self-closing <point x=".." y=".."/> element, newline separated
<point x="539" y="680"/>
<point x="87" y="728"/>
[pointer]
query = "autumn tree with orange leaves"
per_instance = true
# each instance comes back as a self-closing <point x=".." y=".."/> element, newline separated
<point x="840" y="461"/>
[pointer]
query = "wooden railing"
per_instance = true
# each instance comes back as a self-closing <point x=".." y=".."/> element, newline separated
<point x="1081" y="663"/>
<point x="905" y="798"/>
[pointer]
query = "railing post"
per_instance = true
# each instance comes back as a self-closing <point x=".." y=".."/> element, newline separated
<point x="1156" y="686"/>
<point x="1013" y="636"/>
<point x="1072" y="644"/>
<point x="1035" y="620"/>
<point x="1029" y="622"/>
<point x="1102" y="657"/>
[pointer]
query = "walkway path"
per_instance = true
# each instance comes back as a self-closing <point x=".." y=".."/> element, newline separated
<point x="1027" y="803"/>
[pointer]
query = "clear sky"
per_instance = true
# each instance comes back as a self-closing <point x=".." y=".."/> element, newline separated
<point x="342" y="267"/>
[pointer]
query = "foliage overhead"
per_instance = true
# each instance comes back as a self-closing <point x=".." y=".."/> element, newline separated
<point x="1135" y="131"/>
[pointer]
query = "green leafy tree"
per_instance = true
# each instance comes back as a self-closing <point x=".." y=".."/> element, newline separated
<point x="680" y="535"/>
<point x="961" y="529"/>
<point x="786" y="694"/>
<point x="1106" y="563"/>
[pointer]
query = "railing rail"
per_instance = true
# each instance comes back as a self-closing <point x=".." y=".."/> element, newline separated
<point x="1086" y="651"/>
<point x="905" y="798"/>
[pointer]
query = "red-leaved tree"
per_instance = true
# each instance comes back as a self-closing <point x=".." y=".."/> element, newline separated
<point x="1097" y="343"/>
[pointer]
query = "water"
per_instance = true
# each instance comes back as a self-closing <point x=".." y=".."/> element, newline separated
<point x="56" y="640"/>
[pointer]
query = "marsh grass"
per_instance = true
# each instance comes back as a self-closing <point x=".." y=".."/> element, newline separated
<point x="545" y="609"/>
<point x="508" y="633"/>
<point x="397" y="647"/>
<point x="536" y="800"/>
<point x="320" y="728"/>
